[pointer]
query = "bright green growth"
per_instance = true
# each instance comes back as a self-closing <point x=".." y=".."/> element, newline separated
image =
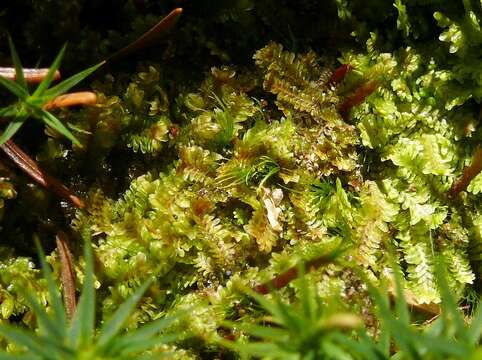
<point x="57" y="338"/>
<point x="31" y="105"/>
<point x="305" y="330"/>
<point x="448" y="337"/>
<point x="315" y="328"/>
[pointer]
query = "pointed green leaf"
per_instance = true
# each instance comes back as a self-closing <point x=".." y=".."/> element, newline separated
<point x="67" y="84"/>
<point x="450" y="312"/>
<point x="305" y="294"/>
<point x="8" y="111"/>
<point x="124" y="347"/>
<point x="264" y="349"/>
<point x="55" y="297"/>
<point x="8" y="356"/>
<point x="44" y="85"/>
<point x="12" y="128"/>
<point x="265" y="332"/>
<point x="45" y="323"/>
<point x="82" y="327"/>
<point x="475" y="330"/>
<point x="14" y="88"/>
<point x="289" y="317"/>
<point x="267" y="304"/>
<point x="37" y="344"/>
<point x="57" y="125"/>
<point x="19" y="76"/>
<point x="139" y="336"/>
<point x="114" y="324"/>
<point x="400" y="302"/>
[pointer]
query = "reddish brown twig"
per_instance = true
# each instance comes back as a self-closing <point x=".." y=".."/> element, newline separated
<point x="72" y="99"/>
<point x="149" y="37"/>
<point x="289" y="275"/>
<point x="357" y="97"/>
<point x="339" y="74"/>
<point x="292" y="273"/>
<point x="32" y="169"/>
<point x="469" y="173"/>
<point x="31" y="75"/>
<point x="67" y="274"/>
<point x="30" y="166"/>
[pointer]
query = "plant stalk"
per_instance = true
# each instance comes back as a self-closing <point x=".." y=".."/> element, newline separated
<point x="32" y="169"/>
<point x="67" y="274"/>
<point x="32" y="76"/>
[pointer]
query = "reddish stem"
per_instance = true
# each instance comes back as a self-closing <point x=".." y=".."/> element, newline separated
<point x="32" y="169"/>
<point x="67" y="273"/>
<point x="149" y="37"/>
<point x="357" y="97"/>
<point x="339" y="74"/>
<point x="72" y="99"/>
<point x="470" y="172"/>
<point x="289" y="275"/>
<point x="32" y="76"/>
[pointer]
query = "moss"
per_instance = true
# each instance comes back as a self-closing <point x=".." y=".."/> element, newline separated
<point x="218" y="162"/>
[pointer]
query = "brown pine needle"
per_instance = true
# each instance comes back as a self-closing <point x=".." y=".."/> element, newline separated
<point x="339" y="74"/>
<point x="149" y="37"/>
<point x="357" y="97"/>
<point x="470" y="172"/>
<point x="72" y="99"/>
<point x="32" y="169"/>
<point x="67" y="274"/>
<point x="32" y="76"/>
<point x="291" y="274"/>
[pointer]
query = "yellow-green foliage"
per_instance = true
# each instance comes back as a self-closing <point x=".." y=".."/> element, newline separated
<point x="250" y="171"/>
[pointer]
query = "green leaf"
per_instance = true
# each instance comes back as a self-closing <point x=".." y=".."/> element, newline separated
<point x="12" y="128"/>
<point x="8" y="356"/>
<point x="14" y="88"/>
<point x="55" y="298"/>
<point x="268" y="305"/>
<point x="19" y="76"/>
<point x="115" y="323"/>
<point x="365" y="346"/>
<point x="265" y="332"/>
<point x="264" y="349"/>
<point x="400" y="303"/>
<point x="475" y="329"/>
<point x="57" y="125"/>
<point x="124" y="347"/>
<point x="70" y="82"/>
<point x="37" y="344"/>
<point x="8" y="111"/>
<point x="82" y="328"/>
<point x="46" y="325"/>
<point x="450" y="312"/>
<point x="39" y="91"/>
<point x="133" y="340"/>
<point x="305" y="294"/>
<point x="289" y="317"/>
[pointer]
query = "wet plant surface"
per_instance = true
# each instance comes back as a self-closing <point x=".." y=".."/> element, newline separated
<point x="267" y="179"/>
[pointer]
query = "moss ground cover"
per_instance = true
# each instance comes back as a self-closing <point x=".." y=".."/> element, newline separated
<point x="310" y="149"/>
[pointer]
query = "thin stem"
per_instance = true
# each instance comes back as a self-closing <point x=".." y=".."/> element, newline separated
<point x="291" y="274"/>
<point x="32" y="76"/>
<point x="66" y="273"/>
<point x="470" y="172"/>
<point x="339" y="74"/>
<point x="149" y="37"/>
<point x="32" y="169"/>
<point x="359" y="96"/>
<point x="72" y="99"/>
